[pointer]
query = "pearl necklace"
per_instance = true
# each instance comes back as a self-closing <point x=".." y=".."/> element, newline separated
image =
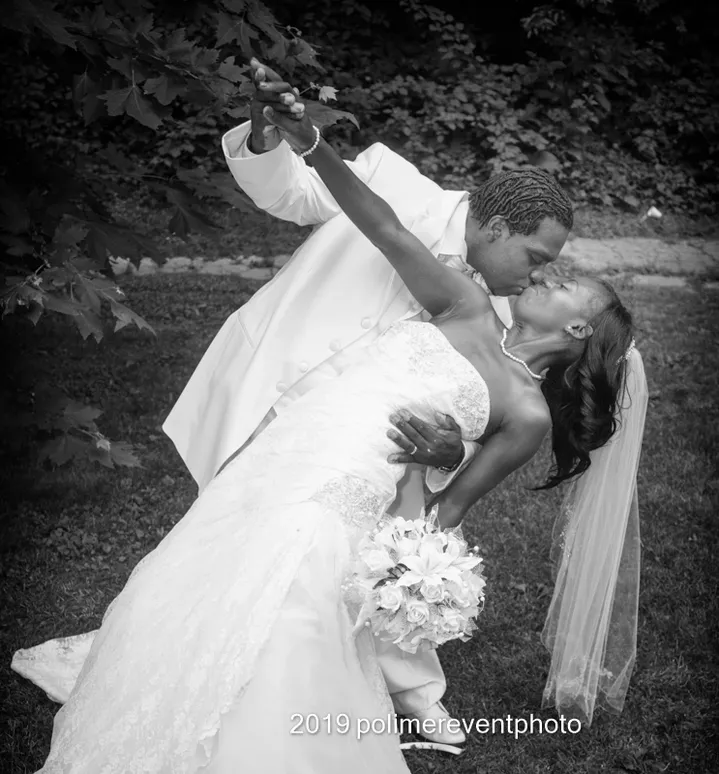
<point x="516" y="359"/>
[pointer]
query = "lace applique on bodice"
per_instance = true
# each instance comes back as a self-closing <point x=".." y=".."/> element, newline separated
<point x="412" y="366"/>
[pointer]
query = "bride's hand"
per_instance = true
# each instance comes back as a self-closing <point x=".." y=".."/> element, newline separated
<point x="295" y="125"/>
<point x="448" y="516"/>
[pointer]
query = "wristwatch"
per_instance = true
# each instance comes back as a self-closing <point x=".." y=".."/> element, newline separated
<point x="453" y="467"/>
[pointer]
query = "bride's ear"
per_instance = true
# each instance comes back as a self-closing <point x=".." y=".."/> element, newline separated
<point x="579" y="330"/>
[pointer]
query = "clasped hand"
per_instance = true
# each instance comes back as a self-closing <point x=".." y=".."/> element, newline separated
<point x="277" y="105"/>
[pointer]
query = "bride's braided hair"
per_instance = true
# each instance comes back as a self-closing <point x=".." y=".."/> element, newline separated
<point x="524" y="198"/>
<point x="582" y="396"/>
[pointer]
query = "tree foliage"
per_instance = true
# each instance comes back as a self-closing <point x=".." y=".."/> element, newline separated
<point x="615" y="98"/>
<point x="127" y="98"/>
<point x="122" y="62"/>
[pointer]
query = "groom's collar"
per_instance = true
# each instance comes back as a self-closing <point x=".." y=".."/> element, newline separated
<point x="453" y="242"/>
<point x="453" y="245"/>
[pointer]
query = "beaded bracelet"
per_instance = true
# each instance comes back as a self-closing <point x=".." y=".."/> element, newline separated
<point x="318" y="137"/>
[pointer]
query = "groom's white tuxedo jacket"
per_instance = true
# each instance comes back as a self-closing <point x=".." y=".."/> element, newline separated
<point x="336" y="292"/>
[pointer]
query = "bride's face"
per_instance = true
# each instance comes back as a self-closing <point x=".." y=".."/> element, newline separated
<point x="557" y="303"/>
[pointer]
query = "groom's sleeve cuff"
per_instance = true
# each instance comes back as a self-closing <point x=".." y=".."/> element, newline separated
<point x="235" y="143"/>
<point x="436" y="480"/>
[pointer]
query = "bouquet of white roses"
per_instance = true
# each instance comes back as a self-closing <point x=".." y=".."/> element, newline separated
<point x="420" y="587"/>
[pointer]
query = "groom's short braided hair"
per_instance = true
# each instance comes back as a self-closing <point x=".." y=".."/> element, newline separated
<point x="524" y="197"/>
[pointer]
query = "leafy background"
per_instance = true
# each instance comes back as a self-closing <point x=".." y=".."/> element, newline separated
<point x="112" y="112"/>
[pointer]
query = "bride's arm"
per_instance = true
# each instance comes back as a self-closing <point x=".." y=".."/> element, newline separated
<point x="435" y="286"/>
<point x="513" y="445"/>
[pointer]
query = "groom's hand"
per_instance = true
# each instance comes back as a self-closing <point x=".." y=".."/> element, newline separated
<point x="272" y="90"/>
<point x="439" y="446"/>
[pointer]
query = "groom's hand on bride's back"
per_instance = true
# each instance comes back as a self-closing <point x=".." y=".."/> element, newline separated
<point x="437" y="445"/>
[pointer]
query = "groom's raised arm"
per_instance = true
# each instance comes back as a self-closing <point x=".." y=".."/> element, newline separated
<point x="280" y="182"/>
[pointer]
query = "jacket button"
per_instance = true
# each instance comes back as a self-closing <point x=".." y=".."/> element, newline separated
<point x="335" y="345"/>
<point x="281" y="386"/>
<point x="304" y="367"/>
<point x="366" y="323"/>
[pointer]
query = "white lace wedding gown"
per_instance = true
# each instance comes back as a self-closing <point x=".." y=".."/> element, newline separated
<point x="234" y="629"/>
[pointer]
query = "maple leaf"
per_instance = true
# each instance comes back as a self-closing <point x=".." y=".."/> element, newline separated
<point x="99" y="452"/>
<point x="66" y="239"/>
<point x="32" y="303"/>
<point x="54" y="303"/>
<point x="143" y="26"/>
<point x="34" y="312"/>
<point x="126" y="316"/>
<point x="44" y="16"/>
<point x="85" y="96"/>
<point x="203" y="58"/>
<point x="123" y="454"/>
<point x="87" y="293"/>
<point x="230" y="30"/>
<point x="110" y="238"/>
<point x="81" y="415"/>
<point x="277" y="51"/>
<point x="164" y="88"/>
<point x="228" y="69"/>
<point x="239" y="112"/>
<point x="176" y="47"/>
<point x="303" y="52"/>
<point x="261" y="17"/>
<point x="322" y="115"/>
<point x="186" y="217"/>
<point x="227" y="189"/>
<point x="122" y="66"/>
<point x="95" y="22"/>
<point x="63" y="449"/>
<point x="327" y="93"/>
<point x="198" y="181"/>
<point x="106" y="288"/>
<point x="131" y="101"/>
<point x="88" y="324"/>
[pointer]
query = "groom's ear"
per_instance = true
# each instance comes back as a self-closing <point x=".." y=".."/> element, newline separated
<point x="496" y="228"/>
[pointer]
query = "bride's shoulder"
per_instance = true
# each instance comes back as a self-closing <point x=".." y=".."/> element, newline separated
<point x="530" y="412"/>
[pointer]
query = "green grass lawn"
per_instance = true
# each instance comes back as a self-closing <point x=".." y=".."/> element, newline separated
<point x="70" y="538"/>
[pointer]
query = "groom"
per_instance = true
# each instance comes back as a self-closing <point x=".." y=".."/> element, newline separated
<point x="338" y="294"/>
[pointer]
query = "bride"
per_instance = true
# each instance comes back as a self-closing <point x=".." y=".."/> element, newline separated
<point x="234" y="630"/>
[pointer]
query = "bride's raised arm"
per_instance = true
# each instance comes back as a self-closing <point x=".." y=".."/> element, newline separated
<point x="436" y="287"/>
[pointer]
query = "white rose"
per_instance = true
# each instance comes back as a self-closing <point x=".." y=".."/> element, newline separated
<point x="378" y="560"/>
<point x="417" y="612"/>
<point x="462" y="595"/>
<point x="432" y="592"/>
<point x="390" y="598"/>
<point x="452" y="621"/>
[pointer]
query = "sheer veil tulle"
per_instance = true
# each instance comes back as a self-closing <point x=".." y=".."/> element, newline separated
<point x="591" y="627"/>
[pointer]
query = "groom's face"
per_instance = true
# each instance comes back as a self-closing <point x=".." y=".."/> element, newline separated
<point x="507" y="260"/>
